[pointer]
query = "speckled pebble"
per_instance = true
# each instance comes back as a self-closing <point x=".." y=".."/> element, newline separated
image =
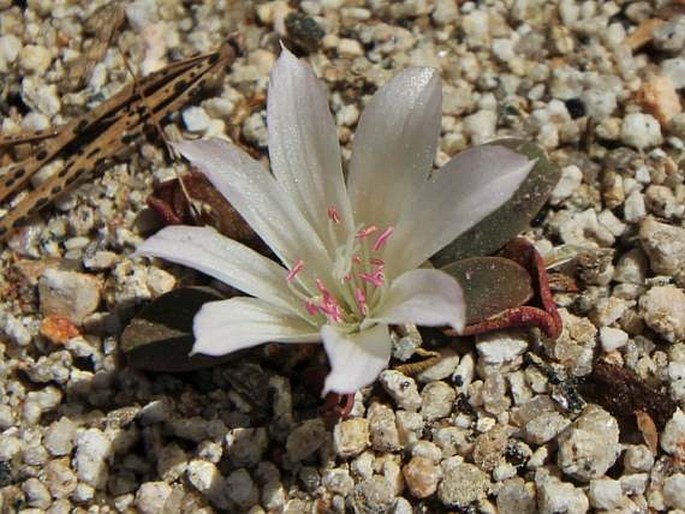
<point x="463" y="485"/>
<point x="605" y="493"/>
<point x="422" y="477"/>
<point x="14" y="329"/>
<point x="664" y="245"/>
<point x="640" y="131"/>
<point x="151" y="497"/>
<point x="59" y="437"/>
<point x="93" y="450"/>
<point x="437" y="399"/>
<point x="557" y="496"/>
<point x="69" y="294"/>
<point x="402" y="389"/>
<point x="382" y="428"/>
<point x="351" y="437"/>
<point x="590" y="447"/>
<point x="663" y="309"/>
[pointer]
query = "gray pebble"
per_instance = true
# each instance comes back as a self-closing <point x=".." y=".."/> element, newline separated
<point x="674" y="491"/>
<point x="241" y="489"/>
<point x="245" y="446"/>
<point x="305" y="439"/>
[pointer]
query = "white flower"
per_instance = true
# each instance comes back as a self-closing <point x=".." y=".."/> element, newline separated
<point x="349" y="252"/>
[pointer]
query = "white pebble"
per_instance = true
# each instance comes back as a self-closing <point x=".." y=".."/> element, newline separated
<point x="640" y="130"/>
<point x="196" y="119"/>
<point x="35" y="59"/>
<point x="612" y="338"/>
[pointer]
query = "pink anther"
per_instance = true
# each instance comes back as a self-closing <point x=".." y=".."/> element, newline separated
<point x="299" y="266"/>
<point x="365" y="232"/>
<point x="347" y="277"/>
<point x="356" y="259"/>
<point x="334" y="215"/>
<point x="311" y="307"/>
<point x="376" y="278"/>
<point x="383" y="238"/>
<point x="376" y="261"/>
<point x="360" y="298"/>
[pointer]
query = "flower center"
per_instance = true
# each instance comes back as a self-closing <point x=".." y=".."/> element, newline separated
<point x="357" y="279"/>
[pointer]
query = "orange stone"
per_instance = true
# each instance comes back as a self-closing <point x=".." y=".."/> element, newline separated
<point x="659" y="98"/>
<point x="58" y="329"/>
<point x="643" y="33"/>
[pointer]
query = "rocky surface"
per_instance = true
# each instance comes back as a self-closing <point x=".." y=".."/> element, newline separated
<point x="598" y="84"/>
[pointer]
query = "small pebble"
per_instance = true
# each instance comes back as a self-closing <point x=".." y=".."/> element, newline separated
<point x="351" y="437"/>
<point x="640" y="131"/>
<point x="437" y="400"/>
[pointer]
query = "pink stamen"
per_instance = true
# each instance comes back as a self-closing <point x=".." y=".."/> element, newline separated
<point x="312" y="309"/>
<point x="383" y="238"/>
<point x="376" y="261"/>
<point x="376" y="278"/>
<point x="329" y="306"/>
<point x="356" y="259"/>
<point x="360" y="297"/>
<point x="299" y="266"/>
<point x="347" y="277"/>
<point x="365" y="232"/>
<point x="334" y="215"/>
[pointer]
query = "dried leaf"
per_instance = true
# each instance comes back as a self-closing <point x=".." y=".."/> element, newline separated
<point x="505" y="223"/>
<point x="491" y="285"/>
<point x="161" y="336"/>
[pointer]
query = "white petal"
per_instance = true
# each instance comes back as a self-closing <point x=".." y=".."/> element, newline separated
<point x="355" y="359"/>
<point x="424" y="297"/>
<point x="303" y="142"/>
<point x="394" y="145"/>
<point x="256" y="195"/>
<point x="463" y="192"/>
<point x="205" y="250"/>
<point x="238" y="323"/>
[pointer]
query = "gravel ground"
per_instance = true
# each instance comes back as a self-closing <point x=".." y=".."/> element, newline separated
<point x="596" y="83"/>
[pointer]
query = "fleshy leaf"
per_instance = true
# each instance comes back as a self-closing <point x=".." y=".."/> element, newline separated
<point x="161" y="336"/>
<point x="490" y="285"/>
<point x="514" y="216"/>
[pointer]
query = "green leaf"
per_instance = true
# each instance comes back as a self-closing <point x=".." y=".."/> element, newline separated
<point x="161" y="336"/>
<point x="491" y="285"/>
<point x="505" y="223"/>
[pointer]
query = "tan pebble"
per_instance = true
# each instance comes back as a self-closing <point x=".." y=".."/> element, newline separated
<point x="659" y="98"/>
<point x="422" y="477"/>
<point x="58" y="329"/>
<point x="643" y="33"/>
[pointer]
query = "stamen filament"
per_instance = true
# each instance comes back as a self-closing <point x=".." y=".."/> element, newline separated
<point x="383" y="238"/>
<point x="365" y="232"/>
<point x="299" y="266"/>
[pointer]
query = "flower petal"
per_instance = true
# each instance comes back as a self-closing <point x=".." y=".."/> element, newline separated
<point x="204" y="249"/>
<point x="394" y="145"/>
<point x="303" y="142"/>
<point x="464" y="191"/>
<point x="256" y="195"/>
<point x="238" y="323"/>
<point x="424" y="297"/>
<point x="356" y="359"/>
